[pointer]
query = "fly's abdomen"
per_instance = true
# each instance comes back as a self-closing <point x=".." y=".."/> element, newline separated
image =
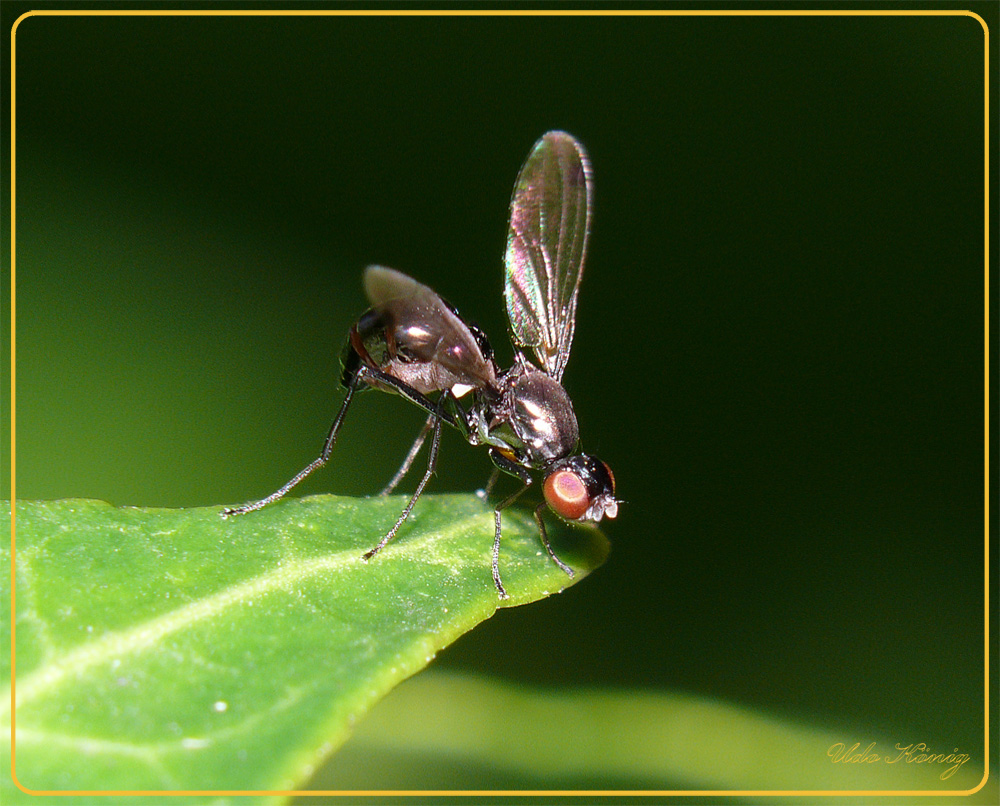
<point x="411" y="346"/>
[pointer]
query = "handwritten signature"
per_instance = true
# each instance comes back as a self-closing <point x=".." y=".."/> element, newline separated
<point x="918" y="753"/>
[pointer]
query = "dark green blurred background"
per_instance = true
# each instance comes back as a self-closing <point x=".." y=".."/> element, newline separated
<point x="779" y="342"/>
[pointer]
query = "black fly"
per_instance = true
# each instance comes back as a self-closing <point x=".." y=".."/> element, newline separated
<point x="415" y="344"/>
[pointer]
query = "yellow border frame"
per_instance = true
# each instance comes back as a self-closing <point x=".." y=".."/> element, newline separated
<point x="519" y="13"/>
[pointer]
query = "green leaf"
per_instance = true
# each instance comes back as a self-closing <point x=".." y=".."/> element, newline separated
<point x="448" y="731"/>
<point x="174" y="650"/>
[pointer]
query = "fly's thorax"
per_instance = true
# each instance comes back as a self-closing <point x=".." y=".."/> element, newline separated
<point x="541" y="415"/>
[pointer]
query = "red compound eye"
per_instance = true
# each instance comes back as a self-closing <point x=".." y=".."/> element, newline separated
<point x="566" y="493"/>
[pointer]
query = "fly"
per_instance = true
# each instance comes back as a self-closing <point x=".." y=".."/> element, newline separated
<point x="413" y="343"/>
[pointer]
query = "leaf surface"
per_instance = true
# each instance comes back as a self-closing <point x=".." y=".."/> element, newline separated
<point x="172" y="650"/>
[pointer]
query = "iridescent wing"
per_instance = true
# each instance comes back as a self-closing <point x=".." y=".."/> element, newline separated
<point x="546" y="247"/>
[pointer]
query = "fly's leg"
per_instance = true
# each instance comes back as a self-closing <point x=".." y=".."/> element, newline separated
<point x="488" y="489"/>
<point x="447" y="408"/>
<point x="354" y="377"/>
<point x="408" y="461"/>
<point x="545" y="541"/>
<point x="322" y="459"/>
<point x="515" y="470"/>
<point x="510" y="499"/>
<point x="431" y="463"/>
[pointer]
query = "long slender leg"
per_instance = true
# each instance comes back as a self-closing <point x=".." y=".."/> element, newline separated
<point x="455" y="414"/>
<point x="488" y="489"/>
<point x="510" y="499"/>
<point x="446" y="408"/>
<point x="545" y="541"/>
<point x="490" y="484"/>
<point x="431" y="463"/>
<point x="322" y="459"/>
<point x="514" y="469"/>
<point x="408" y="461"/>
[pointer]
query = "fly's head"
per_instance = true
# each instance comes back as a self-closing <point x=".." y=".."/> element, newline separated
<point x="581" y="488"/>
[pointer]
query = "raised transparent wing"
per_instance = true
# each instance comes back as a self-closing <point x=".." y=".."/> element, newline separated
<point x="546" y="247"/>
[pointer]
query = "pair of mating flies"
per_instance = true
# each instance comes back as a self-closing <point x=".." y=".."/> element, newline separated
<point x="413" y="343"/>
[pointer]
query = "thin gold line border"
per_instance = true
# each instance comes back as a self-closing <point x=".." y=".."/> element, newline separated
<point x="506" y="13"/>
